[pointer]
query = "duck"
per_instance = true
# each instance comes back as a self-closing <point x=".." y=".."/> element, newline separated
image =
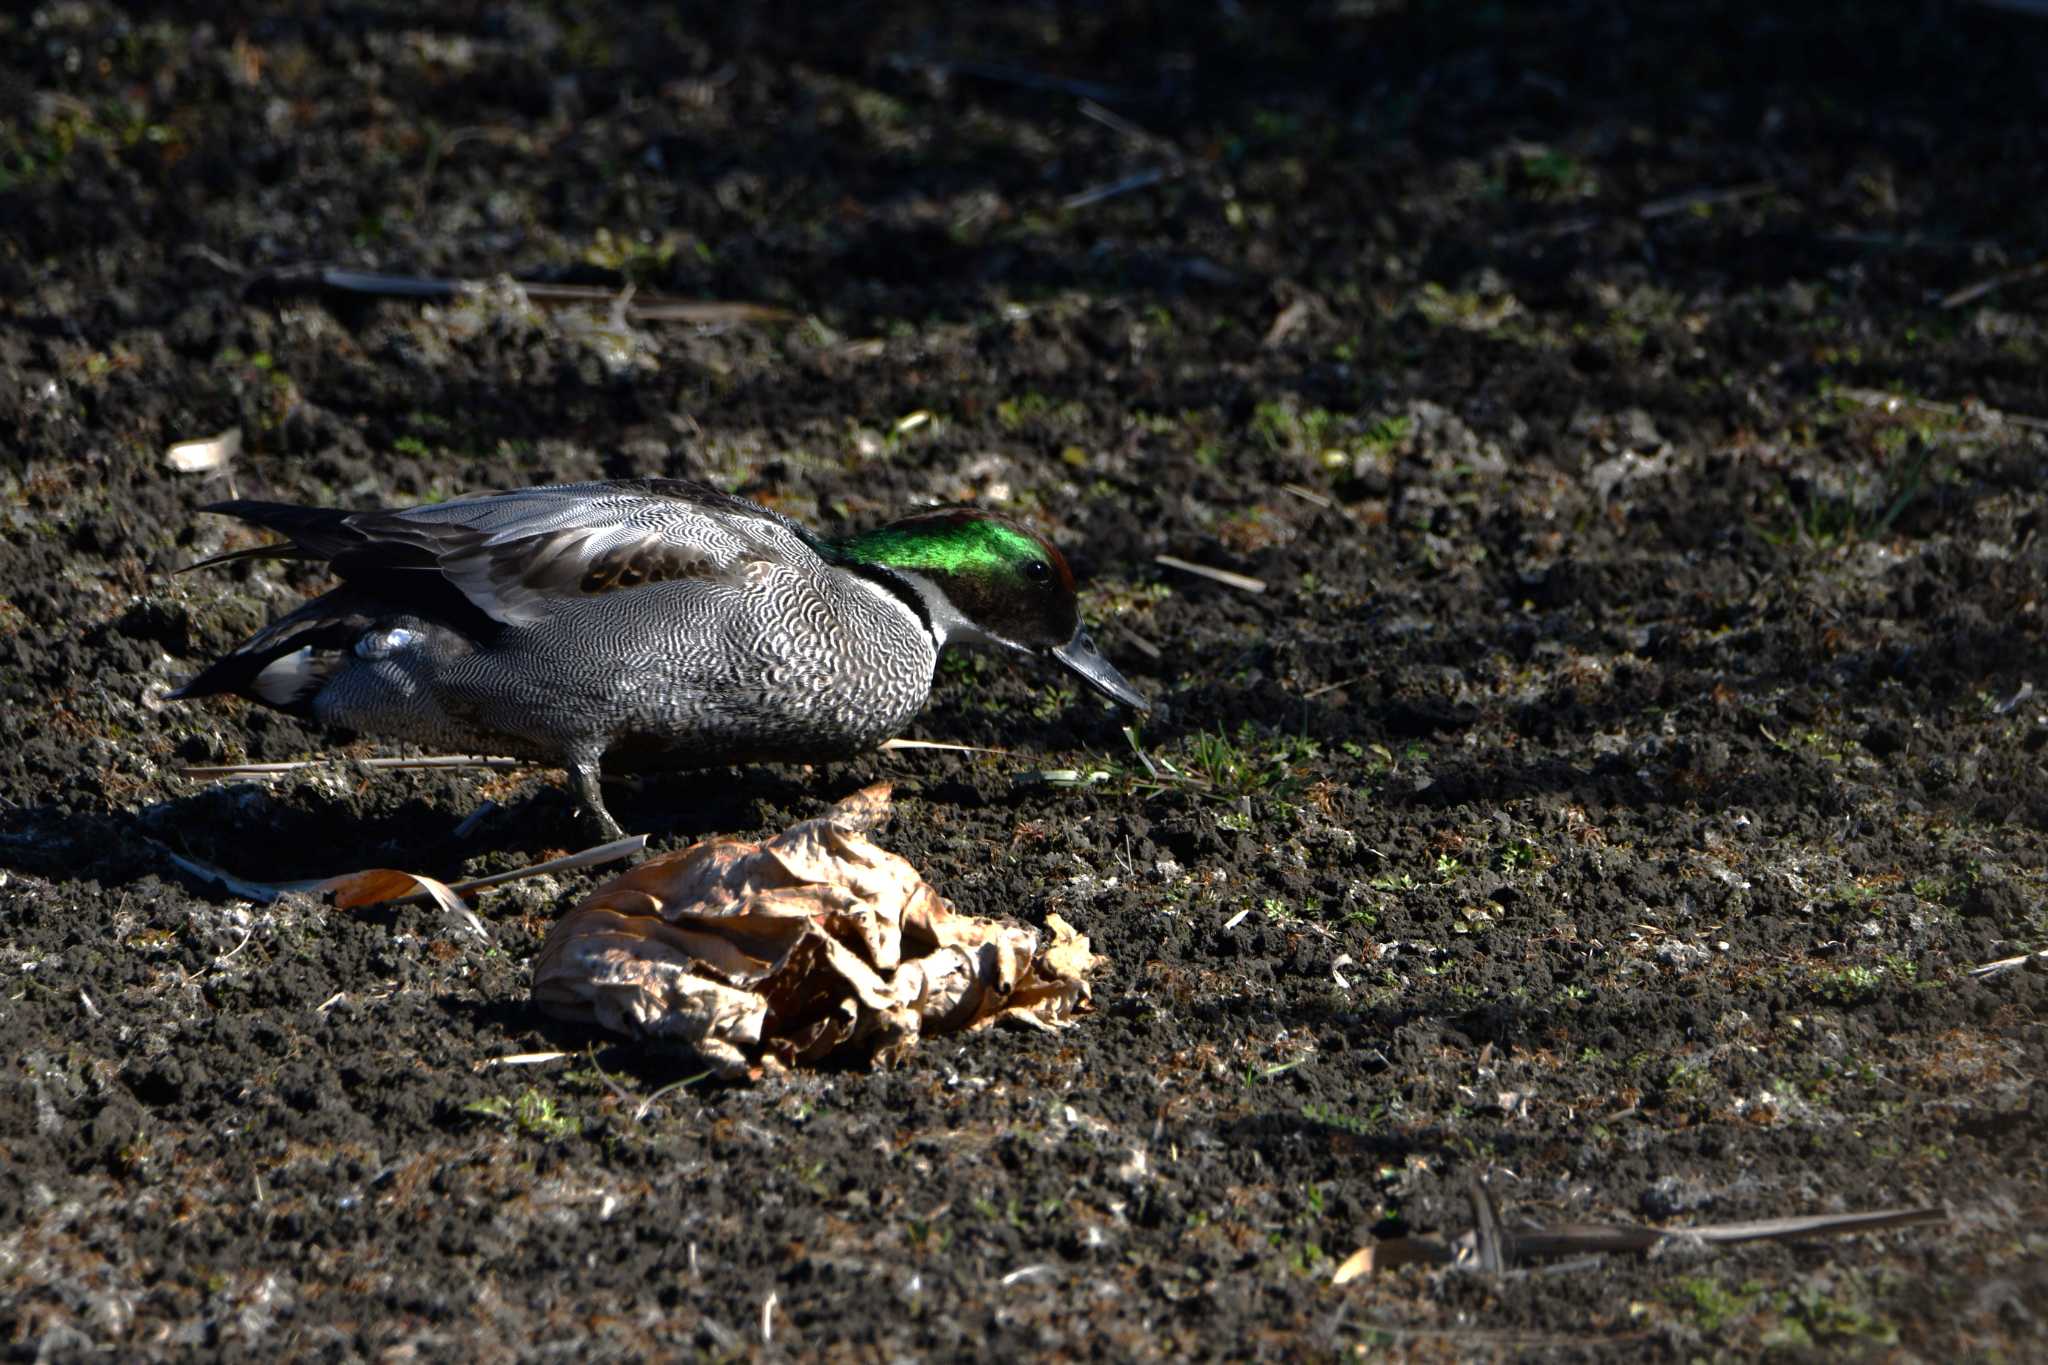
<point x="630" y="625"/>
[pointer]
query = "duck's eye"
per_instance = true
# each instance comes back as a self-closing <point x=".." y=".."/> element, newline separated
<point x="1038" y="571"/>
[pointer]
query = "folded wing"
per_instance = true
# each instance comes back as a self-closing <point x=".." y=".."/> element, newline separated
<point x="515" y="556"/>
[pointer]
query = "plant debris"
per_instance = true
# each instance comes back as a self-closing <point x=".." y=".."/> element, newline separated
<point x="207" y="455"/>
<point x="388" y="886"/>
<point x="1493" y="1246"/>
<point x="1230" y="579"/>
<point x="811" y="945"/>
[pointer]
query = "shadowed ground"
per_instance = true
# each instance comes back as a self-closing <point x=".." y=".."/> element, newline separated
<point x="1634" y="414"/>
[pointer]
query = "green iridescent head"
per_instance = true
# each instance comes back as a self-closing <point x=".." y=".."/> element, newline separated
<point x="986" y="577"/>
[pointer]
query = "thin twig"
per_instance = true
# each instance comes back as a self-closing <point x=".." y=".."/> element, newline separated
<point x="1139" y="181"/>
<point x="647" y="1105"/>
<point x="475" y="818"/>
<point x="1900" y="241"/>
<point x="606" y="1076"/>
<point x="1892" y="402"/>
<point x="1808" y="1225"/>
<point x="2006" y="964"/>
<point x="434" y="761"/>
<point x="1143" y="645"/>
<point x="1290" y="320"/>
<point x="1969" y="293"/>
<point x="1492" y="1246"/>
<point x="215" y="259"/>
<point x="1175" y="160"/>
<point x="589" y="857"/>
<point x="1244" y="582"/>
<point x="259" y="892"/>
<point x="248" y="932"/>
<point x="1691" y="199"/>
<point x="520" y="1059"/>
<point x="640" y="308"/>
<point x="1120" y="125"/>
<point x="263" y="893"/>
<point x="1543" y="232"/>
<point x="1011" y="75"/>
<point x="1315" y="692"/>
<point x="940" y="745"/>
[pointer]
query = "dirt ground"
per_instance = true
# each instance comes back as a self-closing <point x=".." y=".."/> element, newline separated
<point x="1635" y="414"/>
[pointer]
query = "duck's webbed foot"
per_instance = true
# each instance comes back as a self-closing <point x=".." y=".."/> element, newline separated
<point x="583" y="778"/>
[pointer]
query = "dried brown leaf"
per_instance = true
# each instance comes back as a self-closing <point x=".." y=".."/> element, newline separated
<point x="382" y="885"/>
<point x="1374" y="1257"/>
<point x="810" y="943"/>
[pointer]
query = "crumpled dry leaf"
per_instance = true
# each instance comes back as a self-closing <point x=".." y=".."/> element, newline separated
<point x="794" y="949"/>
<point x="387" y="885"/>
<point x="381" y="885"/>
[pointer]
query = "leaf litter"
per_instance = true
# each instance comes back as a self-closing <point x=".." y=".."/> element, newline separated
<point x="813" y="945"/>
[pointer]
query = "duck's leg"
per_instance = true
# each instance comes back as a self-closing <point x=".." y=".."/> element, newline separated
<point x="583" y="777"/>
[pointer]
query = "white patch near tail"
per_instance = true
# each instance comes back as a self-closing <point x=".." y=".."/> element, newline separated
<point x="382" y="644"/>
<point x="289" y="677"/>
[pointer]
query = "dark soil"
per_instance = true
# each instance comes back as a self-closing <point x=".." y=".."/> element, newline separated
<point x="1634" y="749"/>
